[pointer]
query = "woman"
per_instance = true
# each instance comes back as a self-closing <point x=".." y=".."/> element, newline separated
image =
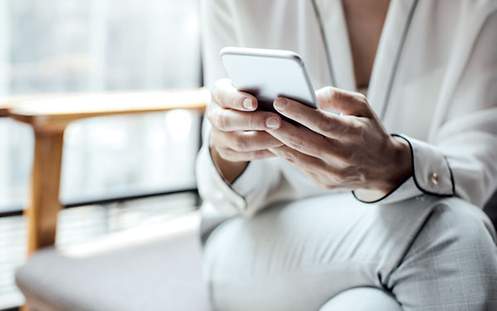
<point x="384" y="196"/>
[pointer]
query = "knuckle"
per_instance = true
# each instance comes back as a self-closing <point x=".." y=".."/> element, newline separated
<point x="362" y="132"/>
<point x="256" y="121"/>
<point x="361" y="98"/>
<point x="251" y="122"/>
<point x="224" y="153"/>
<point x="324" y="125"/>
<point x="362" y="104"/>
<point x="230" y="155"/>
<point x="216" y="117"/>
<point x="356" y="128"/>
<point x="222" y="121"/>
<point x="240" y="143"/>
<point x="335" y="95"/>
<point x="223" y="93"/>
<point x="296" y="142"/>
<point x="327" y="91"/>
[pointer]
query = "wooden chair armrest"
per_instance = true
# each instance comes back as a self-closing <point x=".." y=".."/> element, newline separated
<point x="57" y="111"/>
<point x="7" y="103"/>
<point x="4" y="109"/>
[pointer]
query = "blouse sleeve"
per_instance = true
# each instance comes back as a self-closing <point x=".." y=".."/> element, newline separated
<point x="461" y="158"/>
<point x="249" y="192"/>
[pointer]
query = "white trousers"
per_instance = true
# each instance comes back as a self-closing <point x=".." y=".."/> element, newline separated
<point x="427" y="253"/>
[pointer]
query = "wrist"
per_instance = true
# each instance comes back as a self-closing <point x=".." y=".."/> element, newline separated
<point x="229" y="170"/>
<point x="396" y="171"/>
<point x="400" y="168"/>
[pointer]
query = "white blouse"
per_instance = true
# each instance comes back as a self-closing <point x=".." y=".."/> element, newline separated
<point x="434" y="82"/>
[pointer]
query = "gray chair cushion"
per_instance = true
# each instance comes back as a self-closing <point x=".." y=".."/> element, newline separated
<point x="153" y="268"/>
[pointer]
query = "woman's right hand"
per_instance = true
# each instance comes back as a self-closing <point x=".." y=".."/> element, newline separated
<point x="238" y="133"/>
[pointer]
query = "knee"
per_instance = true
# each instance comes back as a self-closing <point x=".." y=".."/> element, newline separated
<point x="454" y="249"/>
<point x="466" y="222"/>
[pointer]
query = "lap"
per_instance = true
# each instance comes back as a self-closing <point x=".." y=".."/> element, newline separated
<point x="452" y="263"/>
<point x="297" y="256"/>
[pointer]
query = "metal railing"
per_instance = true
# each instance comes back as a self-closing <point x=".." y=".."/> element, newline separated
<point x="18" y="210"/>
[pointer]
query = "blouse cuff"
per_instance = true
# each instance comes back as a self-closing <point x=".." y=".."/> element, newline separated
<point x="431" y="174"/>
<point x="213" y="186"/>
<point x="243" y="196"/>
<point x="431" y="170"/>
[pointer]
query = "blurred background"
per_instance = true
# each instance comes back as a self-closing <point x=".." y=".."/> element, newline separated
<point x="92" y="46"/>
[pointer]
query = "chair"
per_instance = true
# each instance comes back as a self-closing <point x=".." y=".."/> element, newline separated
<point x="153" y="268"/>
<point x="51" y="277"/>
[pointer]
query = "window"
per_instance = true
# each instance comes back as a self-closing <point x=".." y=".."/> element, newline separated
<point x="93" y="46"/>
<point x="101" y="45"/>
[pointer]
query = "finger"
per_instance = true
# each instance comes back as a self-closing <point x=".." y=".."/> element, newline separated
<point x="227" y="96"/>
<point x="231" y="120"/>
<point x="244" y="141"/>
<point x="308" y="142"/>
<point x="329" y="125"/>
<point x="299" y="159"/>
<point x="336" y="100"/>
<point x="325" y="174"/>
<point x="235" y="156"/>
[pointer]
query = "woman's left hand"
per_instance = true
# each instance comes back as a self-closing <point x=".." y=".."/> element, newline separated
<point x="350" y="151"/>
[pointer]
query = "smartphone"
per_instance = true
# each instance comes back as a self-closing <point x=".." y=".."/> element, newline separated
<point x="268" y="74"/>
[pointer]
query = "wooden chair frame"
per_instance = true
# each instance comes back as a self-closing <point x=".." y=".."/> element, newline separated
<point x="49" y="116"/>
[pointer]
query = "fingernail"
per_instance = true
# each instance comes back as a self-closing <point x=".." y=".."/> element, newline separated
<point x="248" y="104"/>
<point x="280" y="103"/>
<point x="273" y="122"/>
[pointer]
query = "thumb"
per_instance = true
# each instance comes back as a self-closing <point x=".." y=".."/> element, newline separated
<point x="335" y="100"/>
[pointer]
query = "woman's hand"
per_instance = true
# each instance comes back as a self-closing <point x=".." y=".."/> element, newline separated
<point x="351" y="150"/>
<point x="238" y="131"/>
